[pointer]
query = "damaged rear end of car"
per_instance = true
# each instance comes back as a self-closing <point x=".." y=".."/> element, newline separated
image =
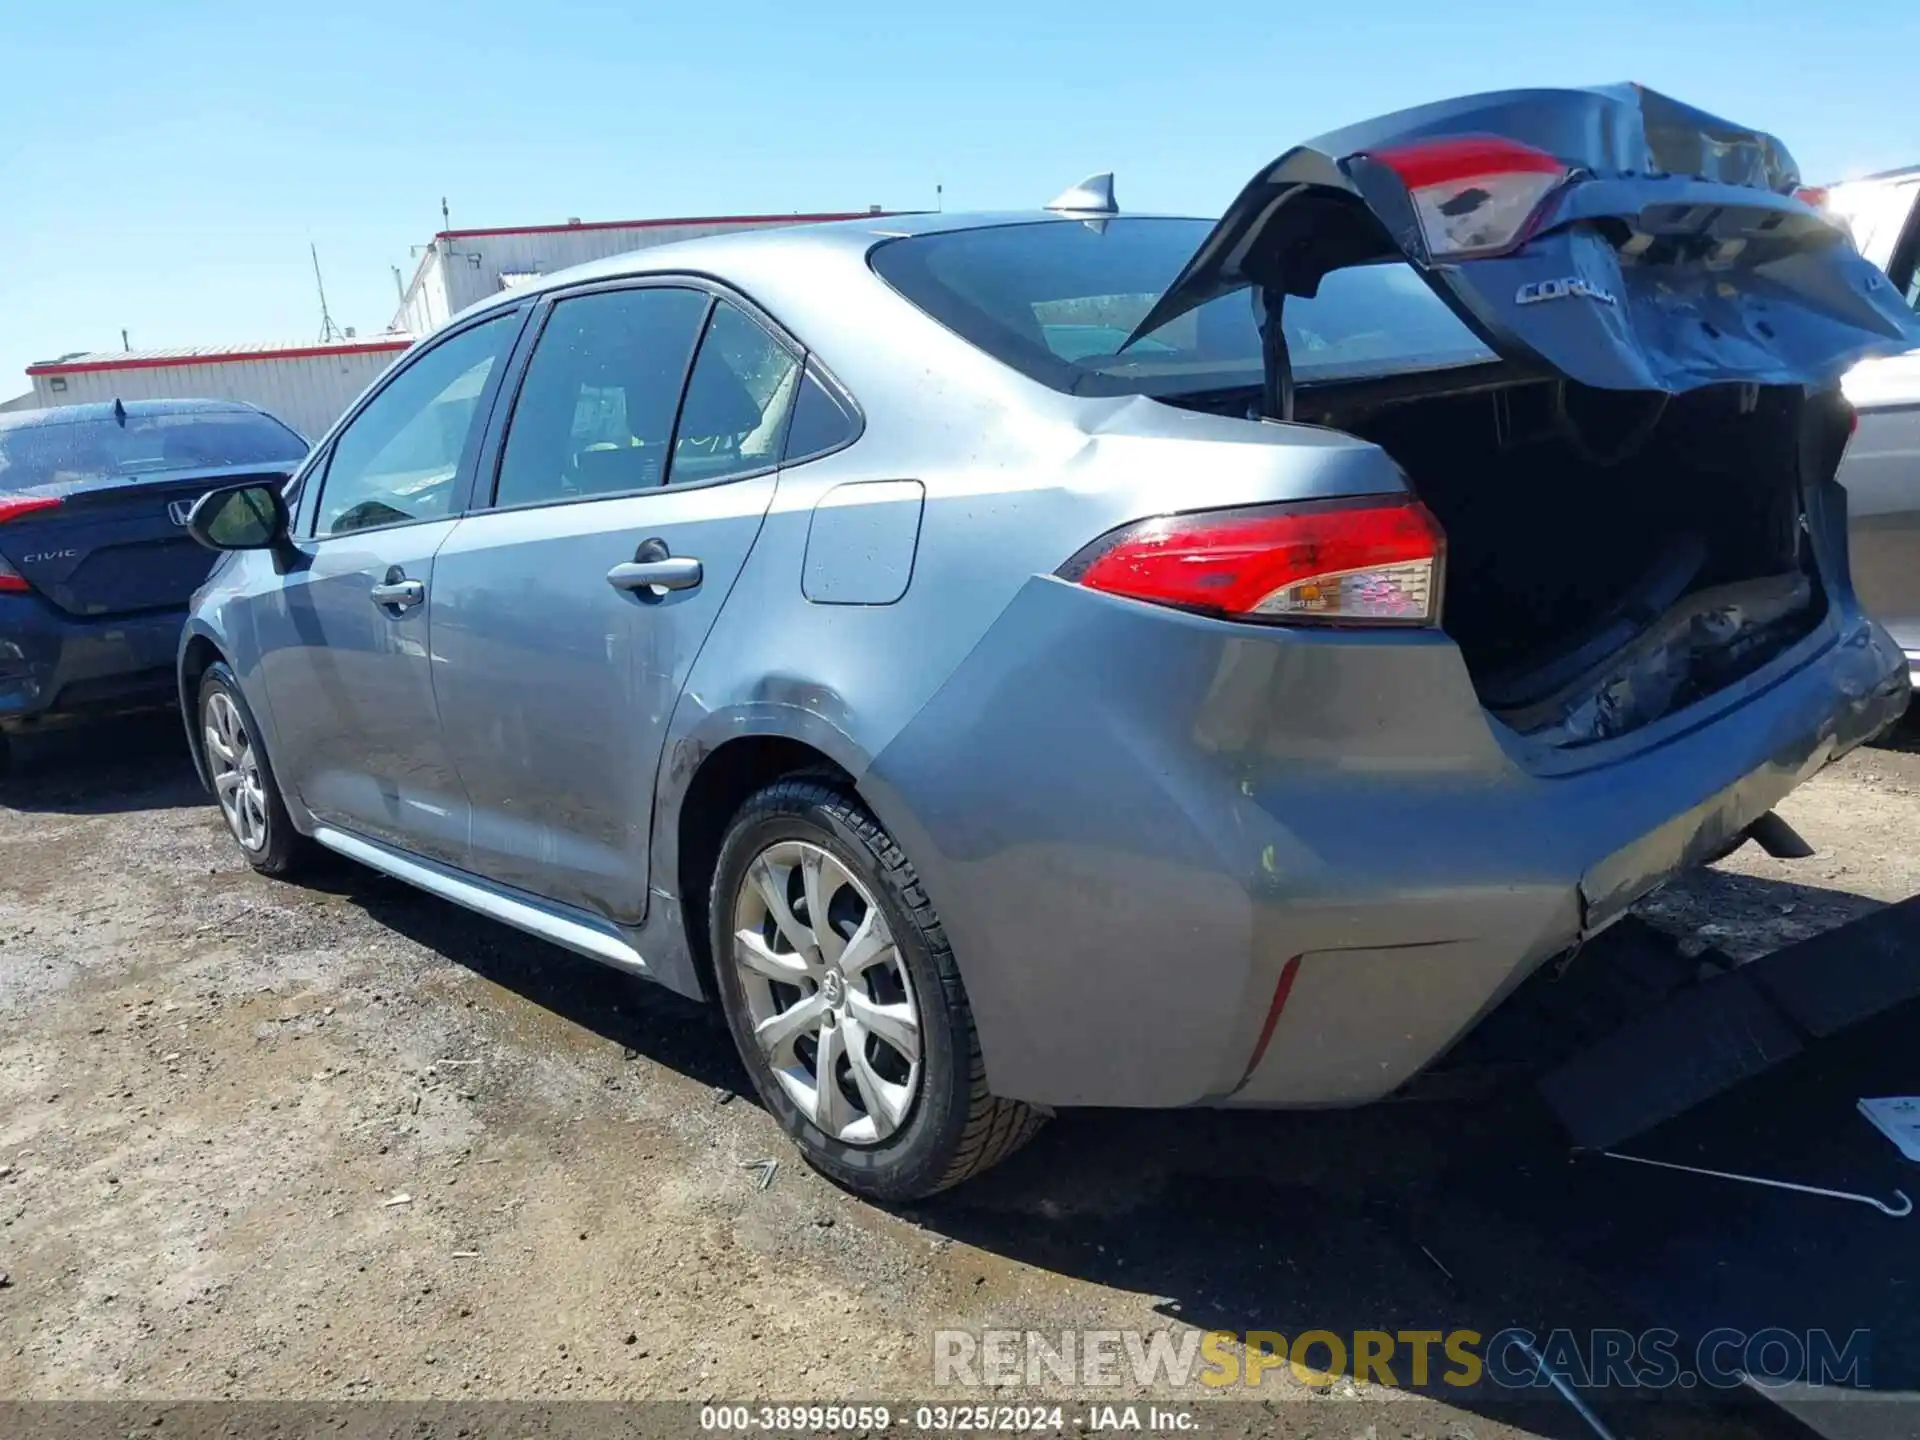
<point x="1634" y="471"/>
<point x="1538" y="598"/>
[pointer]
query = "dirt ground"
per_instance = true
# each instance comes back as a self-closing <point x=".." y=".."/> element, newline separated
<point x="259" y="1140"/>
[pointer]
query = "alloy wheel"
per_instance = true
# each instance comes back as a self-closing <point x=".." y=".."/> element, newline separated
<point x="828" y="996"/>
<point x="236" y="772"/>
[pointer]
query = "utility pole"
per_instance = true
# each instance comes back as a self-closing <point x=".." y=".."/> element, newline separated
<point x="329" y="332"/>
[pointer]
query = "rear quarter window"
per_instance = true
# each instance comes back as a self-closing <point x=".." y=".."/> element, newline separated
<point x="822" y="421"/>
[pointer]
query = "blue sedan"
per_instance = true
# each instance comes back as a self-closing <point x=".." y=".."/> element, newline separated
<point x="96" y="564"/>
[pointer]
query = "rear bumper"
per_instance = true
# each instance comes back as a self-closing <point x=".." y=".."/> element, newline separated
<point x="56" y="666"/>
<point x="1135" y="823"/>
<point x="1906" y="634"/>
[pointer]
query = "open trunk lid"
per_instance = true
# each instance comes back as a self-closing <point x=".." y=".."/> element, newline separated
<point x="115" y="545"/>
<point x="1612" y="236"/>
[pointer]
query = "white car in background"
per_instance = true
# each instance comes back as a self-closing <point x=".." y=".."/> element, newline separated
<point x="1881" y="471"/>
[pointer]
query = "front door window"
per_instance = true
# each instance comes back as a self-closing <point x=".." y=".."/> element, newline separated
<point x="397" y="460"/>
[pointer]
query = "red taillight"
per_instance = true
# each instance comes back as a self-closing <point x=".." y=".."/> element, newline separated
<point x="11" y="581"/>
<point x="1814" y="195"/>
<point x="1369" y="561"/>
<point x="13" y="507"/>
<point x="1475" y="194"/>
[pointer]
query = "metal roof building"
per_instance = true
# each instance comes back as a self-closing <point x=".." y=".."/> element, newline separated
<point x="305" y="385"/>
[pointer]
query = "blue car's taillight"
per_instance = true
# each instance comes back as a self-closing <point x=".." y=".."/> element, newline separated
<point x="12" y="582"/>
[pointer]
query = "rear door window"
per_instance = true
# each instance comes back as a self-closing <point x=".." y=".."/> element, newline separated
<point x="398" y="460"/>
<point x="596" y="409"/>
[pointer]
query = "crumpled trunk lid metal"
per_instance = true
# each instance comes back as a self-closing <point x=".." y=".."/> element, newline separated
<point x="1675" y="256"/>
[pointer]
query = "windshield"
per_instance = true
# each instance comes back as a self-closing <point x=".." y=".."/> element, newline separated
<point x="1056" y="300"/>
<point x="61" y="451"/>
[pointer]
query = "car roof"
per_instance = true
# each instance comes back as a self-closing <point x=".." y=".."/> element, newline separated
<point x="1900" y="173"/>
<point x="135" y="409"/>
<point x="849" y="237"/>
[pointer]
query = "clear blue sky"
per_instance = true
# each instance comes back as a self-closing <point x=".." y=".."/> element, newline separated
<point x="163" y="165"/>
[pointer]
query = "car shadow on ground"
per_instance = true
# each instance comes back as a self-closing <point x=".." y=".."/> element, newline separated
<point x="1341" y="1223"/>
<point x="110" y="767"/>
<point x="1746" y="916"/>
<point x="648" y="1021"/>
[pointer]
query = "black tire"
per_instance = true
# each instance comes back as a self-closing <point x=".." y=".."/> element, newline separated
<point x="282" y="851"/>
<point x="955" y="1127"/>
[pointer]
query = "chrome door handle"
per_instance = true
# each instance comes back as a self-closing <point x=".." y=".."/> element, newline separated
<point x="399" y="594"/>
<point x="675" y="572"/>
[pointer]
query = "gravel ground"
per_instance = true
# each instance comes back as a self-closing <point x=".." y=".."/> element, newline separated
<point x="344" y="1140"/>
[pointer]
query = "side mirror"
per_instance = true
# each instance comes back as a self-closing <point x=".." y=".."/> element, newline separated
<point x="244" y="517"/>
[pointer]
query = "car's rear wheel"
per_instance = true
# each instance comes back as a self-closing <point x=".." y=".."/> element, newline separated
<point x="243" y="779"/>
<point x="845" y="1002"/>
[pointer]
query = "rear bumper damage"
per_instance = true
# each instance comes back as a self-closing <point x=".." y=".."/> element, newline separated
<point x="55" y="666"/>
<point x="1133" y="874"/>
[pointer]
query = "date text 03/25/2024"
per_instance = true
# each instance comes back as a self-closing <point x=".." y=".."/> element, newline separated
<point x="943" y="1419"/>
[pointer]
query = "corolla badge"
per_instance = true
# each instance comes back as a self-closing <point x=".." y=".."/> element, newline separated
<point x="179" y="511"/>
<point x="1536" y="291"/>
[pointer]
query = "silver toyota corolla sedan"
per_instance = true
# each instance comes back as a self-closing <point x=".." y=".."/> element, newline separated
<point x="1063" y="658"/>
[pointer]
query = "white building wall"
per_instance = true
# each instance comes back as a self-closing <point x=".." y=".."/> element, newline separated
<point x="309" y="392"/>
<point x="426" y="303"/>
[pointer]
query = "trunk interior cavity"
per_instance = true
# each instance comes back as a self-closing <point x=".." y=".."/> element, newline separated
<point x="1613" y="556"/>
